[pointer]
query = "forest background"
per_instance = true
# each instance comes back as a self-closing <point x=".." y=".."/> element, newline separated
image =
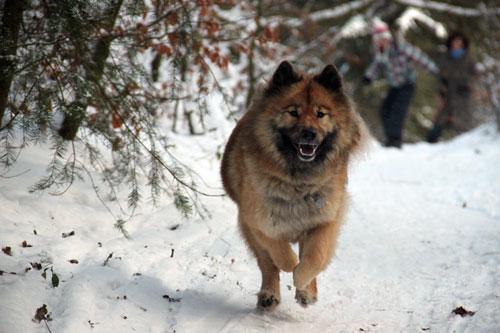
<point x="102" y="83"/>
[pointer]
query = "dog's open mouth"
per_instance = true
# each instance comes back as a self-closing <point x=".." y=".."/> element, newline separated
<point x="307" y="152"/>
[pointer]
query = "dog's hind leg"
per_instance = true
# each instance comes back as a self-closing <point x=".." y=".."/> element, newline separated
<point x="269" y="295"/>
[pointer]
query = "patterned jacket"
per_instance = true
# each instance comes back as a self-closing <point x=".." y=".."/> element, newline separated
<point x="398" y="65"/>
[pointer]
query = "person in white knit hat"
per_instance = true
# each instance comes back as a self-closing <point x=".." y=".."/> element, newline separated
<point x="395" y="59"/>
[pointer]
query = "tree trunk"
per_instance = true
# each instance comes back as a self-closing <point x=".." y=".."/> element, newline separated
<point x="155" y="67"/>
<point x="77" y="109"/>
<point x="251" y="76"/>
<point x="9" y="32"/>
<point x="251" y="67"/>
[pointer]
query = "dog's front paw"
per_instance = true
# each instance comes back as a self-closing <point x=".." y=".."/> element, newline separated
<point x="305" y="297"/>
<point x="267" y="301"/>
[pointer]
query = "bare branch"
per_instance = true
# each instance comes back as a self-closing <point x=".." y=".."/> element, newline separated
<point x="320" y="15"/>
<point x="451" y="9"/>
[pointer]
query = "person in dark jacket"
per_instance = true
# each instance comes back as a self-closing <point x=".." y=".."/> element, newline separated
<point x="396" y="59"/>
<point x="457" y="70"/>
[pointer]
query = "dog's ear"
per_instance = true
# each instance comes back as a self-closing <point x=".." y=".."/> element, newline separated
<point x="284" y="76"/>
<point x="330" y="79"/>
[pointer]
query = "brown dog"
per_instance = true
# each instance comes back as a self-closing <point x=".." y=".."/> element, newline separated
<point x="285" y="166"/>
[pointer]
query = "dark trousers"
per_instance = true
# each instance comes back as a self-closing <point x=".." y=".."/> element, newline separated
<point x="453" y="112"/>
<point x="393" y="112"/>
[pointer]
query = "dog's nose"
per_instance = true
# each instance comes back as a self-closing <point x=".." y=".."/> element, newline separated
<point x="308" y="135"/>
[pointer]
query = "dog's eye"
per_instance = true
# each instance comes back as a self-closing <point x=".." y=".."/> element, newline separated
<point x="321" y="114"/>
<point x="294" y="114"/>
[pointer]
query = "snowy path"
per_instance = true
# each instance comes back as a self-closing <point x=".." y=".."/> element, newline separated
<point x="422" y="238"/>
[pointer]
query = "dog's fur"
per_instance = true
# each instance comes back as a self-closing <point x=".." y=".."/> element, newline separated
<point x="285" y="166"/>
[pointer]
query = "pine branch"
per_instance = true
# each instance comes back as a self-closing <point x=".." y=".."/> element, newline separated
<point x="153" y="154"/>
<point x="95" y="68"/>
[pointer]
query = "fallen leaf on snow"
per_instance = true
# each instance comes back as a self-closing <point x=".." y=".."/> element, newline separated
<point x="463" y="312"/>
<point x="41" y="314"/>
<point x="7" y="250"/>
<point x="25" y="244"/>
<point x="65" y="235"/>
<point x="172" y="299"/>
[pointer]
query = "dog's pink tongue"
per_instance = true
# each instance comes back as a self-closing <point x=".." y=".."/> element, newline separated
<point x="307" y="150"/>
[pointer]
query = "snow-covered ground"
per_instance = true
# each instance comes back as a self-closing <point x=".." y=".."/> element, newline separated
<point x="422" y="239"/>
